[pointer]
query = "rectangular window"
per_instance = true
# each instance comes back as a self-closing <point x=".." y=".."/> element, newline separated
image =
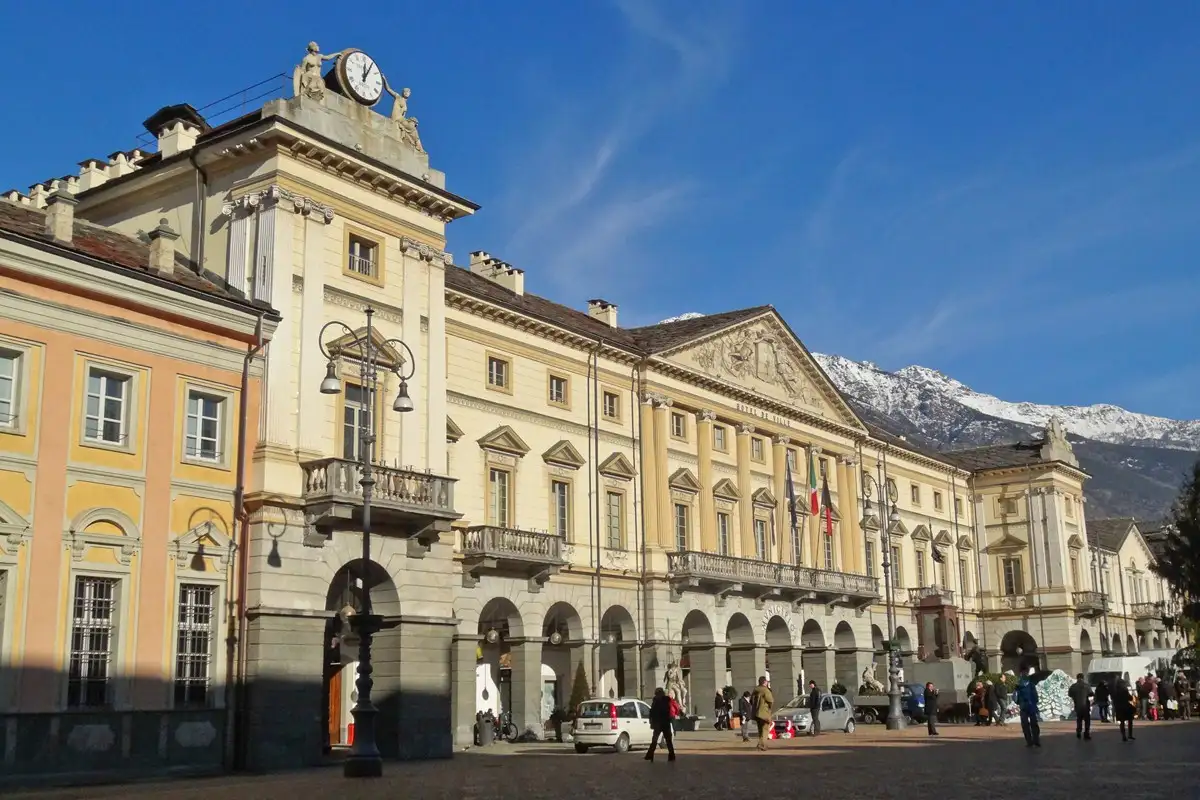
<point x="678" y="425"/>
<point x="723" y="533"/>
<point x="756" y="448"/>
<point x="194" y="645"/>
<point x="920" y="568"/>
<point x="93" y="640"/>
<point x="943" y="574"/>
<point x="893" y="492"/>
<point x="791" y="460"/>
<point x="612" y="406"/>
<point x="1008" y="506"/>
<point x="560" y="492"/>
<point x="964" y="584"/>
<point x="10" y="366"/>
<point x="1075" y="572"/>
<point x="497" y="376"/>
<point x="822" y="467"/>
<point x="106" y="415"/>
<point x="719" y="438"/>
<point x="796" y="540"/>
<point x="828" y="540"/>
<point x="870" y="559"/>
<point x="914" y="494"/>
<point x="558" y="390"/>
<point x="681" y="527"/>
<point x="895" y="558"/>
<point x="958" y="506"/>
<point x="1011" y="570"/>
<point x="1068" y="503"/>
<point x="362" y="257"/>
<point x="498" y="496"/>
<point x="937" y="501"/>
<point x="760" y="539"/>
<point x="356" y="420"/>
<point x="203" y="438"/>
<point x="615" y="503"/>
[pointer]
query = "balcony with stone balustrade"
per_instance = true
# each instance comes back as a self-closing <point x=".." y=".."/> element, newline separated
<point x="1147" y="617"/>
<point x="533" y="555"/>
<point x="1090" y="604"/>
<point x="763" y="580"/>
<point x="418" y="506"/>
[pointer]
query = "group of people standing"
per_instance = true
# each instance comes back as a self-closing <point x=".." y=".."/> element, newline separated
<point x="988" y="703"/>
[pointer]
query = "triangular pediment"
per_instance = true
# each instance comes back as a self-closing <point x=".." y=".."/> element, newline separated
<point x="453" y="432"/>
<point x="617" y="466"/>
<point x="943" y="539"/>
<point x="1074" y="542"/>
<point x="203" y="541"/>
<point x="833" y="512"/>
<point x="350" y="346"/>
<point x="1141" y="544"/>
<point x="898" y="528"/>
<point x="764" y="357"/>
<point x="870" y="522"/>
<point x="965" y="543"/>
<point x="763" y="497"/>
<point x="505" y="440"/>
<point x="684" y="480"/>
<point x="726" y="489"/>
<point x="921" y="534"/>
<point x="563" y="454"/>
<point x="1006" y="543"/>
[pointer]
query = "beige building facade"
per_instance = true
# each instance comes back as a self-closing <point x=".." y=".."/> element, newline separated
<point x="567" y="491"/>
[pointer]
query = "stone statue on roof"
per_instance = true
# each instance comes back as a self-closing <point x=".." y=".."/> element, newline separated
<point x="405" y="124"/>
<point x="307" y="80"/>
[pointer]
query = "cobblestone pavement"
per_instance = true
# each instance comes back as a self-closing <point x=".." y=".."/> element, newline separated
<point x="964" y="761"/>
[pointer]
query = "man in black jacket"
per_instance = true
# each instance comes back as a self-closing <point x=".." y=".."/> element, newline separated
<point x="814" y="708"/>
<point x="660" y="723"/>
<point x="931" y="708"/>
<point x="1081" y="696"/>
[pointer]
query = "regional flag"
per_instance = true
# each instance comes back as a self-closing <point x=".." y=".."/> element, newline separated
<point x="791" y="496"/>
<point x="812" y="484"/>
<point x="827" y="501"/>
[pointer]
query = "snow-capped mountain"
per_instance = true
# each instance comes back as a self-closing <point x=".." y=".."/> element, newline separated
<point x="908" y="388"/>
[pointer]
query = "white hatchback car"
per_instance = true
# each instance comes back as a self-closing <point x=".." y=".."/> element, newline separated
<point x="621" y="724"/>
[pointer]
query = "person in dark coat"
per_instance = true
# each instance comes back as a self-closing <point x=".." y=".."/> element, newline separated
<point x="1081" y="696"/>
<point x="746" y="709"/>
<point x="931" y="708"/>
<point x="1026" y="697"/>
<point x="1124" y="703"/>
<point x="1166" y="694"/>
<point x="1183" y="693"/>
<point x="1102" y="699"/>
<point x="660" y="723"/>
<point x="992" y="700"/>
<point x="814" y="708"/>
<point x="1002" y="700"/>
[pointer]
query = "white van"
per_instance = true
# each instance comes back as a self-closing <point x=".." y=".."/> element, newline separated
<point x="1113" y="668"/>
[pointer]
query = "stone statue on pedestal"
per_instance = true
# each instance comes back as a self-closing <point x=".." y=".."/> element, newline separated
<point x="673" y="684"/>
<point x="405" y="124"/>
<point x="307" y="79"/>
<point x="871" y="684"/>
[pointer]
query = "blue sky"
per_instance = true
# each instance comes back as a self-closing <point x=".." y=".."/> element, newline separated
<point x="1008" y="192"/>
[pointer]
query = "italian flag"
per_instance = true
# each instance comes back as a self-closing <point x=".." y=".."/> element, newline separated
<point x="813" y="501"/>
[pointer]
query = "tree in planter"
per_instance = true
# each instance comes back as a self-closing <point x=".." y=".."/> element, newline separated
<point x="579" y="690"/>
<point x="1179" y="564"/>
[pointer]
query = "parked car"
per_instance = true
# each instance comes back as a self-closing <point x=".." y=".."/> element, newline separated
<point x="794" y="718"/>
<point x="621" y="724"/>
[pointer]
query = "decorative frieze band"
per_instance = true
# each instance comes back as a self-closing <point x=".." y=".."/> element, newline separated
<point x="277" y="194"/>
<point x="412" y="247"/>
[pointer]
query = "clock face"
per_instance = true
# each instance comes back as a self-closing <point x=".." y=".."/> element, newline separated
<point x="363" y="78"/>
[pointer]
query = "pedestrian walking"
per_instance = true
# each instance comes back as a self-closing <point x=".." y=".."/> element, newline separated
<point x="1102" y="700"/>
<point x="763" y="703"/>
<point x="1124" y="705"/>
<point x="1026" y="697"/>
<point x="931" y="708"/>
<point x="1166" y="698"/>
<point x="661" y="716"/>
<point x="1183" y="695"/>
<point x="814" y="708"/>
<point x="1143" y="698"/>
<point x="992" y="700"/>
<point x="1081" y="695"/>
<point x="746" y="709"/>
<point x="1002" y="702"/>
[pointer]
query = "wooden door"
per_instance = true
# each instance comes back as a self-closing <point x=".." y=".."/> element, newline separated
<point x="335" y="707"/>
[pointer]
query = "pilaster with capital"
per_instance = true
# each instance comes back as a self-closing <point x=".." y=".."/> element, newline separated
<point x="779" y="488"/>
<point x="433" y="382"/>
<point x="704" y="468"/>
<point x="415" y="291"/>
<point x="273" y="283"/>
<point x="650" y="470"/>
<point x="983" y="566"/>
<point x="312" y="317"/>
<point x="745" y="506"/>
<point x="662" y="406"/>
<point x="851" y="536"/>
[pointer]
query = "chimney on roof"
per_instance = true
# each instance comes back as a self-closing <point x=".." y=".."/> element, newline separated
<point x="498" y="272"/>
<point x="177" y="128"/>
<point x="604" y="311"/>
<point x="60" y="216"/>
<point x="91" y="174"/>
<point x="162" y="249"/>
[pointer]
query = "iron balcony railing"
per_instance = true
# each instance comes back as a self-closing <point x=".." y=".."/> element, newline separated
<point x="712" y="566"/>
<point x="512" y="544"/>
<point x="337" y="480"/>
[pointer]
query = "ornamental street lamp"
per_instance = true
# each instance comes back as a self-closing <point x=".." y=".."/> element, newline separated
<point x="887" y="519"/>
<point x="364" y="760"/>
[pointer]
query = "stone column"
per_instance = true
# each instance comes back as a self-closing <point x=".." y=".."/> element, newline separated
<point x="435" y="394"/>
<point x="649" y="471"/>
<point x="745" y="505"/>
<point x="779" y="488"/>
<point x="707" y="510"/>
<point x="386" y="657"/>
<point x="1057" y="543"/>
<point x="705" y="678"/>
<point x="239" y="212"/>
<point x="748" y="663"/>
<point x="414" y="286"/>
<point x="312" y="429"/>
<point x="631" y="677"/>
<point x="666" y="531"/>
<point x="462" y="690"/>
<point x="273" y="283"/>
<point x="784" y="666"/>
<point x="819" y="666"/>
<point x="852" y="555"/>
<point x="526" y="660"/>
<point x="983" y="572"/>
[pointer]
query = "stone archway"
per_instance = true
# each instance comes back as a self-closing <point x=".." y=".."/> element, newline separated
<point x="1019" y="652"/>
<point x="847" y="668"/>
<point x="746" y="660"/>
<point x="1131" y="645"/>
<point x="702" y="661"/>
<point x="1085" y="643"/>
<point x="346" y="598"/>
<point x="817" y="657"/>
<point x="903" y="641"/>
<point x="563" y="649"/>
<point x="783" y="660"/>
<point x="617" y="654"/>
<point x="878" y="640"/>
<point x="1117" y="647"/>
<point x="500" y="624"/>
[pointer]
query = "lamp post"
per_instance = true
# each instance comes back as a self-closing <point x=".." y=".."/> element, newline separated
<point x="364" y="760"/>
<point x="1100" y="562"/>
<point x="887" y="518"/>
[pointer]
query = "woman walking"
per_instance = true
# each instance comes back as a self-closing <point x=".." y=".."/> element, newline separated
<point x="1124" y="703"/>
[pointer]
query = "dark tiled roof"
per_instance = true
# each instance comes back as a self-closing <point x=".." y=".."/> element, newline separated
<point x="667" y="335"/>
<point x="995" y="456"/>
<point x="114" y="248"/>
<point x="1109" y="533"/>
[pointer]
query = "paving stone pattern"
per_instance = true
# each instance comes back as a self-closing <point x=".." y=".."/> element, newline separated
<point x="964" y="761"/>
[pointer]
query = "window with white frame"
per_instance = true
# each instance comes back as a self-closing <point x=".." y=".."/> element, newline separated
<point x="615" y="505"/>
<point x="93" y="642"/>
<point x="760" y="539"/>
<point x="920" y="568"/>
<point x="681" y="526"/>
<point x="828" y="543"/>
<point x="796" y="549"/>
<point x="560" y="493"/>
<point x="356" y="419"/>
<point x="106" y="416"/>
<point x="1075" y="571"/>
<point x="895" y="566"/>
<point x="719" y="442"/>
<point x="756" y="449"/>
<point x="611" y="405"/>
<point x="723" y="533"/>
<point x="498" y="496"/>
<point x="362" y="256"/>
<point x="497" y="372"/>
<point x="964" y="574"/>
<point x="558" y="390"/>
<point x="870" y="559"/>
<point x="195" y="634"/>
<point x="10" y="371"/>
<point x="937" y="501"/>
<point x="205" y="426"/>
<point x="678" y="425"/>
<point x="1010" y="570"/>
